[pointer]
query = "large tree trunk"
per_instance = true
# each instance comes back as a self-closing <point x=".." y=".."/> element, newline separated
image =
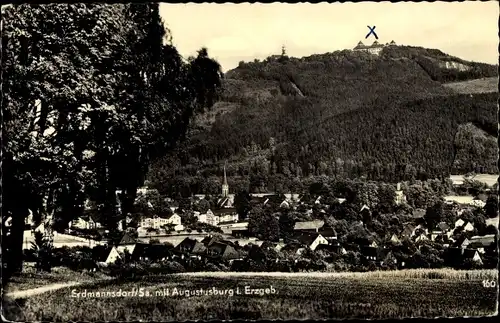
<point x="12" y="237"/>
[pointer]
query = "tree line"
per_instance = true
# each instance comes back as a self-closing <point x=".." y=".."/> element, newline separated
<point x="276" y="147"/>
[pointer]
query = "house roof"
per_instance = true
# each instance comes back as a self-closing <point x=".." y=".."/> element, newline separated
<point x="309" y="225"/>
<point x="408" y="230"/>
<point x="290" y="196"/>
<point x="127" y="239"/>
<point x="229" y="210"/>
<point x="329" y="247"/>
<point x="188" y="243"/>
<point x="462" y="240"/>
<point x="459" y="199"/>
<point x="258" y="199"/>
<point x="222" y="201"/>
<point x="151" y="250"/>
<point x="360" y="45"/>
<point x="443" y="226"/>
<point x="393" y="237"/>
<point x="292" y="247"/>
<point x="207" y="241"/>
<point x="389" y="255"/>
<point x="268" y="245"/>
<point x="198" y="248"/>
<point x="482" y="241"/>
<point x="482" y="197"/>
<point x="469" y="253"/>
<point x="328" y="231"/>
<point x="393" y="42"/>
<point x="306" y="239"/>
<point x="285" y="203"/>
<point x="227" y="251"/>
<point x="101" y="254"/>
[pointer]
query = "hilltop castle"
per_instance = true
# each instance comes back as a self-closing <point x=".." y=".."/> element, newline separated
<point x="374" y="48"/>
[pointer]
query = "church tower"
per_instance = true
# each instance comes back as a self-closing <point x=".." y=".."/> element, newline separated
<point x="225" y="187"/>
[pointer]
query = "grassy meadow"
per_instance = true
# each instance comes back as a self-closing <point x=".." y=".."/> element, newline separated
<point x="417" y="293"/>
<point x="30" y="279"/>
<point x="482" y="85"/>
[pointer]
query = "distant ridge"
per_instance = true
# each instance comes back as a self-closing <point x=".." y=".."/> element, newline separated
<point x="349" y="113"/>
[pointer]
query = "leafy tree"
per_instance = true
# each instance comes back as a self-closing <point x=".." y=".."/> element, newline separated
<point x="184" y="204"/>
<point x="386" y="198"/>
<point x="42" y="250"/>
<point x="449" y="215"/>
<point x="420" y="196"/>
<point x="433" y="215"/>
<point x="203" y="206"/>
<point x="50" y="121"/>
<point x="491" y="229"/>
<point x="318" y="188"/>
<point x="85" y="115"/>
<point x="263" y="225"/>
<point x="367" y="194"/>
<point x="367" y="217"/>
<point x="491" y="207"/>
<point x="286" y="226"/>
<point x="242" y="203"/>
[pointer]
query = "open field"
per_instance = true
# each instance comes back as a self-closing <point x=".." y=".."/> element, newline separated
<point x="488" y="179"/>
<point x="483" y="85"/>
<point x="437" y="293"/>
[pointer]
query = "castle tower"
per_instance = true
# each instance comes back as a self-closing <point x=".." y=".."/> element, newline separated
<point x="400" y="196"/>
<point x="225" y="187"/>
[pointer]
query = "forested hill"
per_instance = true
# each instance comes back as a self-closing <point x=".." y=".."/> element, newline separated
<point x="346" y="113"/>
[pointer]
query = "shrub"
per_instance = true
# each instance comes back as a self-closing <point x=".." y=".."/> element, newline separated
<point x="212" y="267"/>
<point x="174" y="267"/>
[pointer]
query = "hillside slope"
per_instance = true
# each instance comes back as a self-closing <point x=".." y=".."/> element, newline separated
<point x="346" y="113"/>
<point x="483" y="85"/>
<point x="473" y="144"/>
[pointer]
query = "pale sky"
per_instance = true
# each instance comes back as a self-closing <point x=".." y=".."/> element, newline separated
<point x="243" y="32"/>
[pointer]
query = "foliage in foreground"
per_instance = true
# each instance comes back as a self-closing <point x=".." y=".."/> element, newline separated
<point x="91" y="94"/>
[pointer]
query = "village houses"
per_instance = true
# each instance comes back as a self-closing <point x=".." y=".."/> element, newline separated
<point x="157" y="222"/>
<point x="87" y="223"/>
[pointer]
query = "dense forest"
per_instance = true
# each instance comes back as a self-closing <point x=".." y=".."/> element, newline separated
<point x="344" y="114"/>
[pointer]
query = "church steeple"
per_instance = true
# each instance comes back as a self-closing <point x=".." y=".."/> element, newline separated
<point x="225" y="186"/>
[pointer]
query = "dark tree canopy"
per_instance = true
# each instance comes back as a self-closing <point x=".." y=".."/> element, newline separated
<point x="92" y="93"/>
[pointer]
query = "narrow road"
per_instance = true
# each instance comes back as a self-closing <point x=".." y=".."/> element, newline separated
<point x="45" y="289"/>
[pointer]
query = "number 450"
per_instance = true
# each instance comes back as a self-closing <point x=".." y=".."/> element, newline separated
<point x="489" y="283"/>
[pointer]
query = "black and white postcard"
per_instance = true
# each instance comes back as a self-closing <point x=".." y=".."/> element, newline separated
<point x="173" y="162"/>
